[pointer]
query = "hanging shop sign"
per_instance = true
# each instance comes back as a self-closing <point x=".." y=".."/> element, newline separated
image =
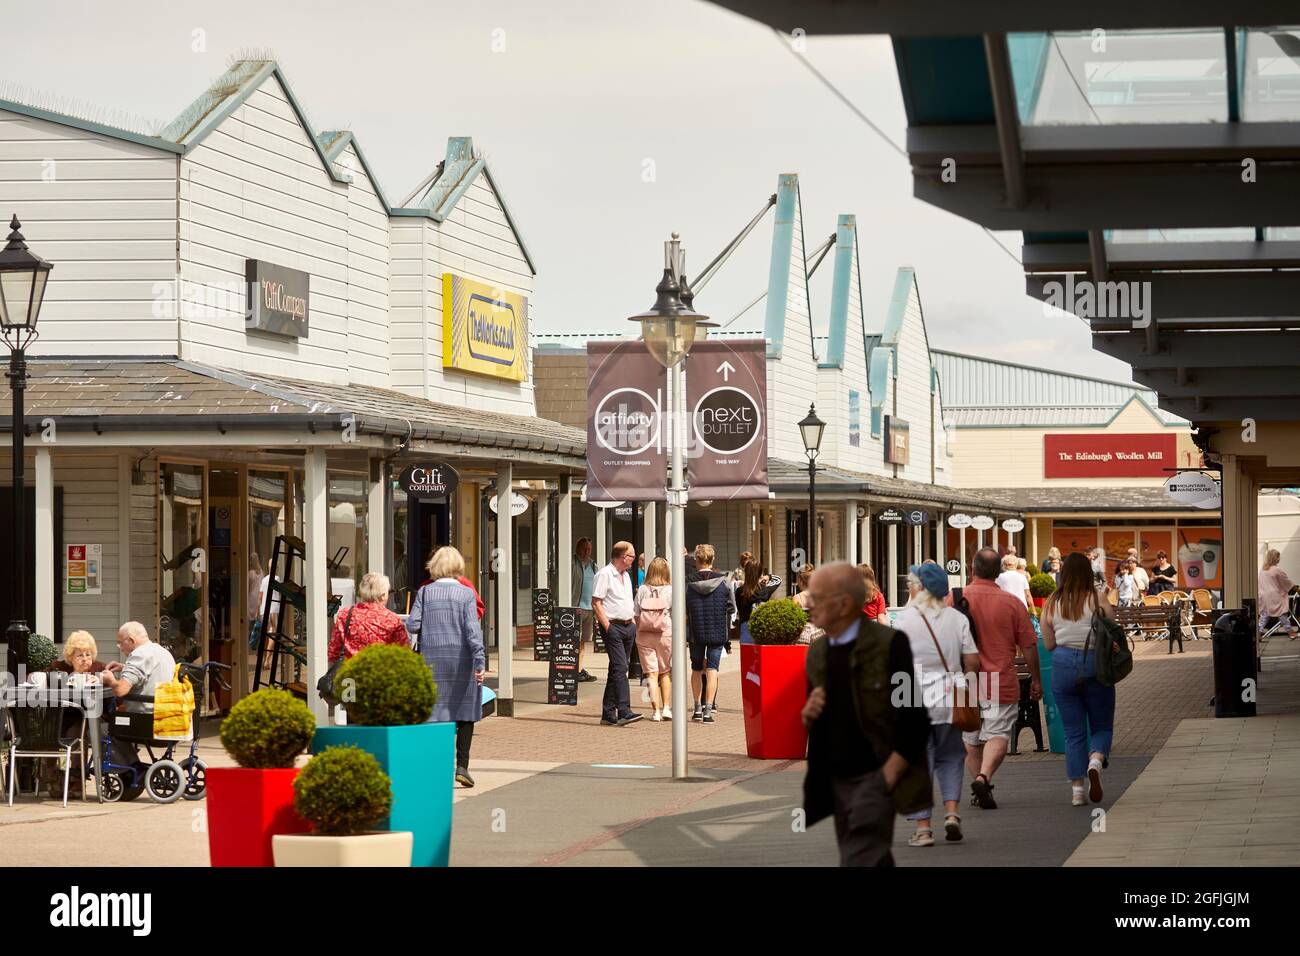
<point x="959" y="520"/>
<point x="916" y="516"/>
<point x="1109" y="456"/>
<point x="1195" y="488"/>
<point x="83" y="569"/>
<point x="484" y="329"/>
<point x="626" y="392"/>
<point x="890" y="516"/>
<point x="278" y="299"/>
<point x="543" y="615"/>
<point x="952" y="566"/>
<point x="562" y="679"/>
<point x="726" y="392"/>
<point x="981" y="522"/>
<point x="896" y="439"/>
<point x="518" y="504"/>
<point x="429" y="479"/>
<point x="1013" y="526"/>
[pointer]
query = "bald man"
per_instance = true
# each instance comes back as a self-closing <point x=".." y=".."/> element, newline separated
<point x="866" y="756"/>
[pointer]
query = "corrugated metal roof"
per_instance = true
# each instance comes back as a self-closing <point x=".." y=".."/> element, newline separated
<point x="558" y="341"/>
<point x="985" y="391"/>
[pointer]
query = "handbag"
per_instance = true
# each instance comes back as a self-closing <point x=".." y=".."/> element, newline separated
<point x="325" y="686"/>
<point x="965" y="717"/>
<point x="173" y="708"/>
<point x="1114" y="656"/>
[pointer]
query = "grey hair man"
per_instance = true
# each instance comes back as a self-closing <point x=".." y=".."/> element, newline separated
<point x="146" y="666"/>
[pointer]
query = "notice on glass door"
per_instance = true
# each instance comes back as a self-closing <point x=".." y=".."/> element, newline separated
<point x="83" y="568"/>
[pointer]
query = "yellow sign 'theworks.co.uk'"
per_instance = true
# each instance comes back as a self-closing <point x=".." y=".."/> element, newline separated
<point x="484" y="329"/>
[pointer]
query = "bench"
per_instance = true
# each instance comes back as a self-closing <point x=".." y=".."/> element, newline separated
<point x="1152" y="622"/>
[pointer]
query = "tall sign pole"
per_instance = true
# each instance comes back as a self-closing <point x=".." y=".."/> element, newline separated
<point x="677" y="543"/>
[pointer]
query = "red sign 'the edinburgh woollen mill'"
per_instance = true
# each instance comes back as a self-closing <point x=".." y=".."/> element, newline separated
<point x="1108" y="456"/>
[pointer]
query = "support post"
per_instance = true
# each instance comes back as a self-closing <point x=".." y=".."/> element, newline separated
<point x="677" y="562"/>
<point x="505" y="595"/>
<point x="543" y="540"/>
<point x="892" y="590"/>
<point x="45" y="558"/>
<point x="316" y="574"/>
<point x="650" y="534"/>
<point x="851" y="532"/>
<point x="564" y="560"/>
<point x="376" y="523"/>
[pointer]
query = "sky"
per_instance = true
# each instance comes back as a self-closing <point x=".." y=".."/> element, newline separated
<point x="607" y="124"/>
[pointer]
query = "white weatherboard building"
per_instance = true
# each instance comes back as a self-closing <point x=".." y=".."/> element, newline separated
<point x="243" y="338"/>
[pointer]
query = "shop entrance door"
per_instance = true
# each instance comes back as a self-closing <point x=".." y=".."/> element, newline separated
<point x="428" y="528"/>
<point x="269" y="511"/>
<point x="226" y="595"/>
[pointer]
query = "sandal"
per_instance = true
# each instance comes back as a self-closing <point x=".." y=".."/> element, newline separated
<point x="952" y="827"/>
<point x="982" y="793"/>
<point x="921" y="838"/>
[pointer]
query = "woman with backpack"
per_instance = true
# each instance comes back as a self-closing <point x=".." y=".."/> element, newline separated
<point x="1087" y="706"/>
<point x="654" y="636"/>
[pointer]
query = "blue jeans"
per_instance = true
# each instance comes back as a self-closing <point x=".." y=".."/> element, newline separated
<point x="700" y="651"/>
<point x="1084" y="707"/>
<point x="947" y="755"/>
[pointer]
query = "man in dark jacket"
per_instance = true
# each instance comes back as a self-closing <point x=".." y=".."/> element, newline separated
<point x="866" y="756"/>
<point x="710" y="605"/>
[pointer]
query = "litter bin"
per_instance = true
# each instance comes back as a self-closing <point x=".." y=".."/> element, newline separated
<point x="1055" y="728"/>
<point x="1233" y="643"/>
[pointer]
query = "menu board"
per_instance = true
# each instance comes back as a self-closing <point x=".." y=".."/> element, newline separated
<point x="598" y="634"/>
<point x="543" y="611"/>
<point x="566" y="632"/>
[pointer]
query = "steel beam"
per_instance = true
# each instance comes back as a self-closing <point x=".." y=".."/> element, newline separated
<point x="1232" y="381"/>
<point x="1008" y="121"/>
<point x="1201" y="350"/>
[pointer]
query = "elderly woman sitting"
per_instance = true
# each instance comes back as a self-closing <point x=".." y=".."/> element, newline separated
<point x="80" y="655"/>
<point x="367" y="622"/>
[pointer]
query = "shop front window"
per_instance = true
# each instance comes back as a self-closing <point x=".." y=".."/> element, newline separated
<point x="269" y="517"/>
<point x="347" y="539"/>
<point x="182" y="559"/>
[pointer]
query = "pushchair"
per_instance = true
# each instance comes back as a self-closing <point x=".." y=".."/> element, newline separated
<point x="165" y="778"/>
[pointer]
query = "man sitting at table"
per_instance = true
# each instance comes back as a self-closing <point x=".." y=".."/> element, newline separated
<point x="147" y="665"/>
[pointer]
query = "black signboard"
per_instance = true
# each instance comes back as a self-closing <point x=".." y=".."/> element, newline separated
<point x="915" y="516"/>
<point x="890" y="516"/>
<point x="429" y="479"/>
<point x="597" y="634"/>
<point x="566" y="632"/>
<point x="278" y="299"/>
<point x="543" y="617"/>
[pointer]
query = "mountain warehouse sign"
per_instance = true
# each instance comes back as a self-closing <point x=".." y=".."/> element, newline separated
<point x="278" y="299"/>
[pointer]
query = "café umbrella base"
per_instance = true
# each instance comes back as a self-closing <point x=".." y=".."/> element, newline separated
<point x="246" y="809"/>
<point x="773" y="692"/>
<point x="420" y="761"/>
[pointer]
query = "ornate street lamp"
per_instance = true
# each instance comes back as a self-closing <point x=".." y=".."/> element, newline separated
<point x="669" y="328"/>
<point x="811" y="428"/>
<point x="22" y="287"/>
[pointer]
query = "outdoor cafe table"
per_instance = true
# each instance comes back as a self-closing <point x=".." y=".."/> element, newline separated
<point x="90" y="699"/>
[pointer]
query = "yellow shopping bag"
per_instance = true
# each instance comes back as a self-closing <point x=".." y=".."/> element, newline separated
<point x="173" y="707"/>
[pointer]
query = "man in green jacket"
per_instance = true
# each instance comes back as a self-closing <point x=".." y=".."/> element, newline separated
<point x="866" y="756"/>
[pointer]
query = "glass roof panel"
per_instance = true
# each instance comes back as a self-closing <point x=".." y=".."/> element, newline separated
<point x="1120" y="76"/>
<point x="1271" y="75"/>
<point x="1229" y="234"/>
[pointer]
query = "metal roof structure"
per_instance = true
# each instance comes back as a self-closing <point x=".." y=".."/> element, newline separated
<point x="1086" y="126"/>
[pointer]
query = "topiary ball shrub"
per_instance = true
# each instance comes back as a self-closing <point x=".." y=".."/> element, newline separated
<point x="267" y="729"/>
<point x="777" y="622"/>
<point x="342" y="792"/>
<point x="41" y="653"/>
<point x="1042" y="585"/>
<point x="385" y="685"/>
<point x="1031" y="569"/>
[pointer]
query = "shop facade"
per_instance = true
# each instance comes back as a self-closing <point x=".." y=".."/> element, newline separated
<point x="245" y="344"/>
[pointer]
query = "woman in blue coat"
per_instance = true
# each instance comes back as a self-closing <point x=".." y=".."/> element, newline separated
<point x="444" y="623"/>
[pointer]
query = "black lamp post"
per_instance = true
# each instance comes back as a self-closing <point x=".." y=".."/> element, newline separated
<point x="811" y="428"/>
<point x="22" y="287"/>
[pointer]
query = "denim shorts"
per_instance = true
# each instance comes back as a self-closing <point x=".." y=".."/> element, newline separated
<point x="697" y="656"/>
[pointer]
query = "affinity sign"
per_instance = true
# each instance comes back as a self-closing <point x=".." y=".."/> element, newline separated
<point x="1109" y="456"/>
<point x="484" y="329"/>
<point x="625" y="394"/>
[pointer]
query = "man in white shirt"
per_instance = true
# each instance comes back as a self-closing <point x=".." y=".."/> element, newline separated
<point x="1013" y="581"/>
<point x="611" y="600"/>
<point x="1140" y="576"/>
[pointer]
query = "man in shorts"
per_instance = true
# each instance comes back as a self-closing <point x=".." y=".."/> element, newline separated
<point x="1001" y="624"/>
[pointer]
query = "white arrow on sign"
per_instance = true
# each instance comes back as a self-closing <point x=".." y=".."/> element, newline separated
<point x="726" y="368"/>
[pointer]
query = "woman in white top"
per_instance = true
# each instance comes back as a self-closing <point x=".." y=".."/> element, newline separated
<point x="941" y="644"/>
<point x="1087" y="706"/>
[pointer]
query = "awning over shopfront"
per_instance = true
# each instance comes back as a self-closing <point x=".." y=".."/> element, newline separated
<point x="786" y="478"/>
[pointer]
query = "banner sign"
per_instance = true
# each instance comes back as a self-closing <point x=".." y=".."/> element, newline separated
<point x="1095" y="455"/>
<point x="562" y="680"/>
<point x="484" y="329"/>
<point x="429" y="479"/>
<point x="726" y="392"/>
<point x="278" y="299"/>
<point x="1013" y="526"/>
<point x="626" y="392"/>
<point x="915" y="516"/>
<point x="896" y="440"/>
<point x="542" y="623"/>
<point x="890" y="516"/>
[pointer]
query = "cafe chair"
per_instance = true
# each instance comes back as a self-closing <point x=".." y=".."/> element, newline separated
<point x="36" y="733"/>
<point x="1151" y="600"/>
<point x="1203" y="604"/>
<point x="1166" y="597"/>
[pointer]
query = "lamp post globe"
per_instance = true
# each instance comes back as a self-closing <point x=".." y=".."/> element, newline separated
<point x="23" y="276"/>
<point x="670" y="327"/>
<point x="810" y="429"/>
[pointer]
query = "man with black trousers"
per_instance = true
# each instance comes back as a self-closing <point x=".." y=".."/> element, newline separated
<point x="611" y="600"/>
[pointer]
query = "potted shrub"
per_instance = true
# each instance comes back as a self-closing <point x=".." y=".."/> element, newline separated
<point x="774" y="689"/>
<point x="1041" y="586"/>
<point x="388" y="693"/>
<point x="247" y="805"/>
<point x="343" y="793"/>
<point x="41" y="653"/>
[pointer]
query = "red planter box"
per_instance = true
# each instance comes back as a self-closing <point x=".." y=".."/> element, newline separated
<point x="245" y="809"/>
<point x="774" y="690"/>
<point x="1038" y="601"/>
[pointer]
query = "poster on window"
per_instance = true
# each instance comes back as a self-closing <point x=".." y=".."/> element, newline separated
<point x="83" y="569"/>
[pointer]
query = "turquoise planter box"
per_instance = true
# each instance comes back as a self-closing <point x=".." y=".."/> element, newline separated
<point x="1055" y="729"/>
<point x="421" y="761"/>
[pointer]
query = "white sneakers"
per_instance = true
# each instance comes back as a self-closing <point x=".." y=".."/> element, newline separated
<point x="1078" y="797"/>
<point x="657" y="716"/>
<point x="668" y="713"/>
<point x="1094" y="780"/>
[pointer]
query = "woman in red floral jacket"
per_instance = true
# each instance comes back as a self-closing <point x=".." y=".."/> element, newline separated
<point x="367" y="622"/>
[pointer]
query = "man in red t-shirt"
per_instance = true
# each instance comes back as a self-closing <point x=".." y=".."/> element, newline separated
<point x="1001" y="624"/>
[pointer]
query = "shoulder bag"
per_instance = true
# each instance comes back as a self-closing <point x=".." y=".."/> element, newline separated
<point x="1114" y="657"/>
<point x="325" y="686"/>
<point x="965" y="716"/>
